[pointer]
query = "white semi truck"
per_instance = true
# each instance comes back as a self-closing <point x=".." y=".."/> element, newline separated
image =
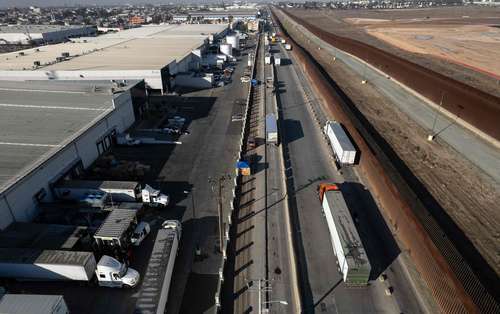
<point x="54" y="265"/>
<point x="352" y="260"/>
<point x="119" y="191"/>
<point x="343" y="149"/>
<point x="155" y="286"/>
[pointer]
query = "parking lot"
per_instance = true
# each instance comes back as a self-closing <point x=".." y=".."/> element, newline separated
<point x="206" y="151"/>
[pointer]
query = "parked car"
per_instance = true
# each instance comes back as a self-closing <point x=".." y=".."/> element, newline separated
<point x="140" y="233"/>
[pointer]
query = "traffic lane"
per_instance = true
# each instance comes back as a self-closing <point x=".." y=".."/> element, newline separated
<point x="381" y="247"/>
<point x="312" y="164"/>
<point x="279" y="255"/>
<point x="306" y="167"/>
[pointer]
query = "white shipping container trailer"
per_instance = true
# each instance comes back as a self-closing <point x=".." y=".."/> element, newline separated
<point x="32" y="304"/>
<point x="267" y="59"/>
<point x="277" y="59"/>
<point x="271" y="129"/>
<point x="347" y="246"/>
<point x="155" y="287"/>
<point x="47" y="264"/>
<point x="288" y="47"/>
<point x="343" y="149"/>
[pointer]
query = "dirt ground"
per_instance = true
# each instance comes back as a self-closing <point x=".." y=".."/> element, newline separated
<point x="468" y="196"/>
<point x="460" y="42"/>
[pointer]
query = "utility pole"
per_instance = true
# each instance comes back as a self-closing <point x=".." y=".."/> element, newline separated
<point x="220" y="215"/>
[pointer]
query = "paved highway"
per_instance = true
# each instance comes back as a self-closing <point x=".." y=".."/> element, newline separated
<point x="482" y="154"/>
<point x="308" y="163"/>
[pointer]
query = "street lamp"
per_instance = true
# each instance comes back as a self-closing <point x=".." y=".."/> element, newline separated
<point x="280" y="302"/>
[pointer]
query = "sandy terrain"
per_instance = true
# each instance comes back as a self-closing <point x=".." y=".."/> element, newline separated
<point x="468" y="196"/>
<point x="473" y="46"/>
<point x="464" y="45"/>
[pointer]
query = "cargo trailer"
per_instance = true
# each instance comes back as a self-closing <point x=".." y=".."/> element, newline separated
<point x="32" y="304"/>
<point x="267" y="59"/>
<point x="119" y="191"/>
<point x="114" y="234"/>
<point x="155" y="286"/>
<point x="343" y="149"/>
<point x="277" y="59"/>
<point x="271" y="129"/>
<point x="352" y="260"/>
<point x="288" y="47"/>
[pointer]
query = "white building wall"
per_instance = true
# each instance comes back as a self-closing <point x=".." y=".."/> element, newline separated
<point x="20" y="196"/>
<point x="123" y="116"/>
<point x="86" y="145"/>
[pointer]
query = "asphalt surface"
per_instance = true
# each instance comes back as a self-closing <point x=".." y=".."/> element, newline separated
<point x="280" y="269"/>
<point x="182" y="171"/>
<point x="308" y="162"/>
<point x="481" y="153"/>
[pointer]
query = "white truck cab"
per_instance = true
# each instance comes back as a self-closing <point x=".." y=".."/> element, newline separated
<point x="112" y="273"/>
<point x="154" y="197"/>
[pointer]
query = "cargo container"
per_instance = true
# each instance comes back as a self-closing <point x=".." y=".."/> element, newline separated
<point x="343" y="149"/>
<point x="288" y="47"/>
<point x="119" y="191"/>
<point x="267" y="59"/>
<point x="347" y="246"/>
<point x="32" y="304"/>
<point x="114" y="234"/>
<point x="277" y="59"/>
<point x="155" y="286"/>
<point x="271" y="129"/>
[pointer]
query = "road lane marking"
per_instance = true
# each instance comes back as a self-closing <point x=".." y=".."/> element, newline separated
<point x="41" y="90"/>
<point x="52" y="107"/>
<point x="28" y="144"/>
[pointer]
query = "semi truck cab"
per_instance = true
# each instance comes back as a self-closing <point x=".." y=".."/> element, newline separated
<point x="112" y="273"/>
<point x="154" y="197"/>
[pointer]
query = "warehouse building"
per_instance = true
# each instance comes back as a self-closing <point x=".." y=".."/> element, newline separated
<point x="42" y="34"/>
<point x="52" y="129"/>
<point x="155" y="54"/>
<point x="216" y="16"/>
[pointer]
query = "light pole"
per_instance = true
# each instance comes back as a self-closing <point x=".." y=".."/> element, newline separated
<point x="213" y="182"/>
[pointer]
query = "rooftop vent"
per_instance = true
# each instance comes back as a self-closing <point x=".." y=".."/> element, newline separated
<point x="36" y="63"/>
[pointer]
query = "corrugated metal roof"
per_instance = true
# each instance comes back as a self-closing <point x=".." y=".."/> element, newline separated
<point x="30" y="303"/>
<point x="152" y="284"/>
<point x="117" y="222"/>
